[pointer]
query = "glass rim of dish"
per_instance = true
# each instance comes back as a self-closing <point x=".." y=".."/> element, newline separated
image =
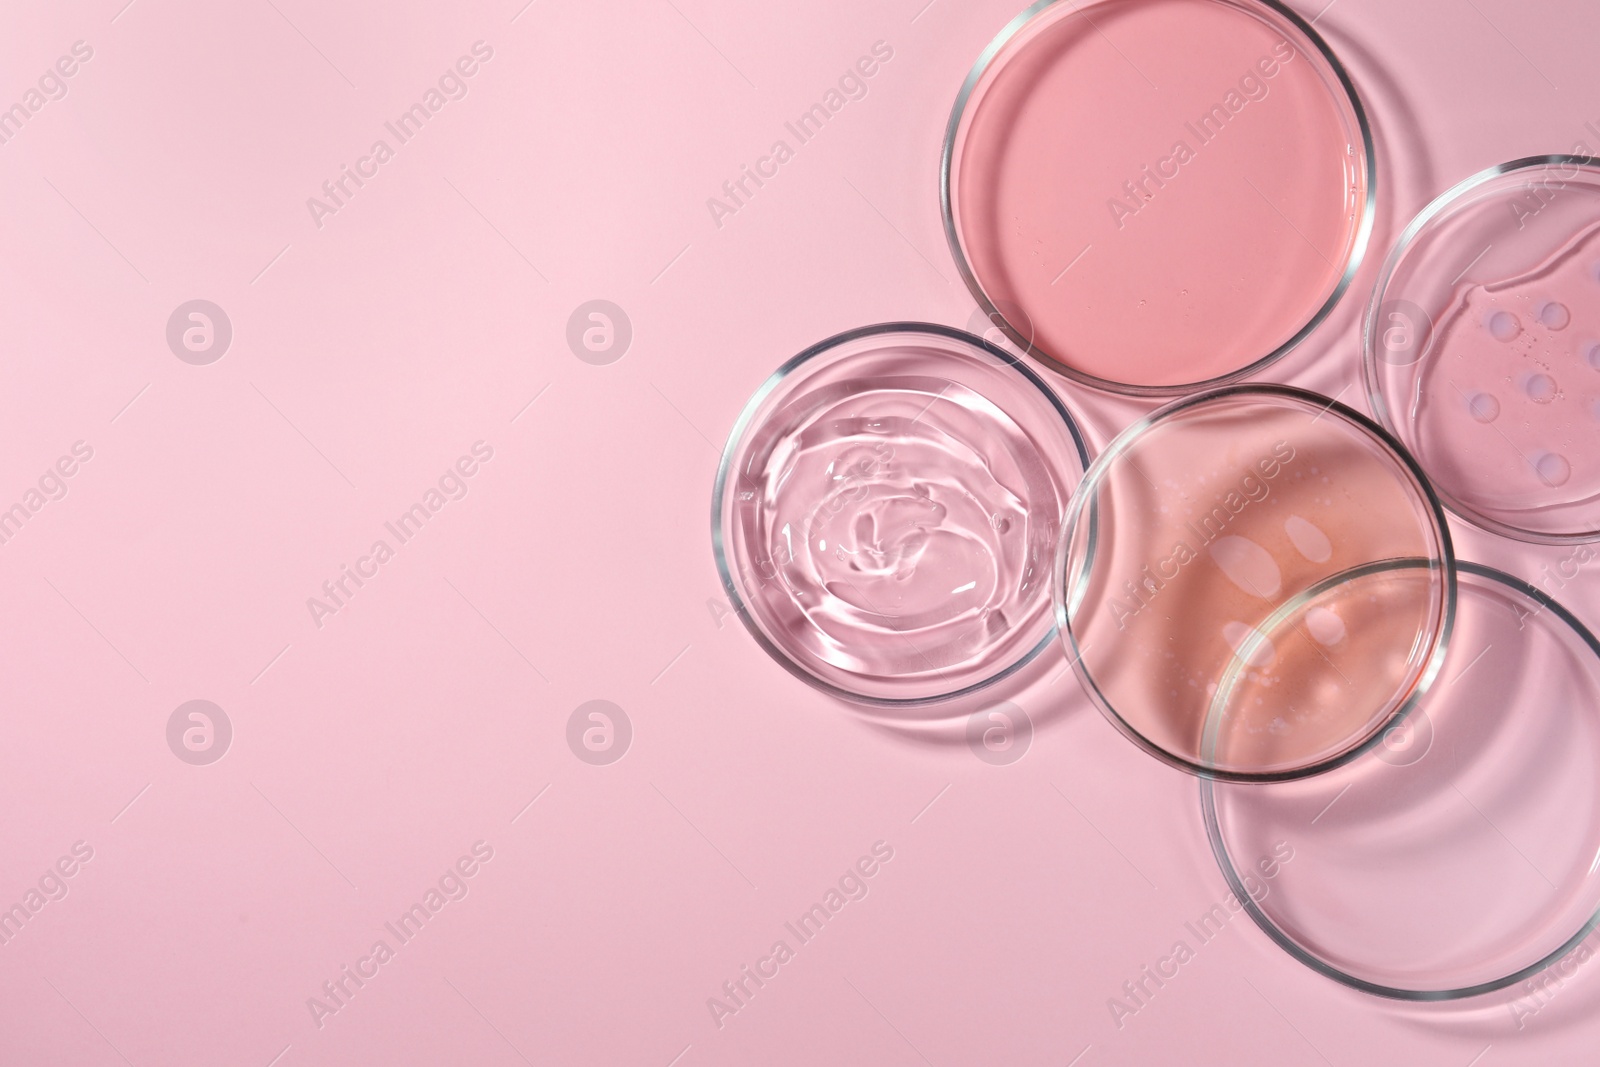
<point x="1067" y="603"/>
<point x="993" y="51"/>
<point x="1310" y="959"/>
<point x="1370" y="359"/>
<point x="745" y="422"/>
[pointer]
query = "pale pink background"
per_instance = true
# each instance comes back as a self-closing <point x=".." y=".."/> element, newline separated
<point x="371" y="753"/>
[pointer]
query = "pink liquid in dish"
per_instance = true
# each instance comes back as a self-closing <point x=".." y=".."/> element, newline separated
<point x="1171" y="190"/>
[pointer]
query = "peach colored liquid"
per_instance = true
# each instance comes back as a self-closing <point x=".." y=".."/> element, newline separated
<point x="1204" y="169"/>
<point x="1206" y="526"/>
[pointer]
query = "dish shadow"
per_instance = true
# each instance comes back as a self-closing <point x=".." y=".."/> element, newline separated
<point x="1040" y="696"/>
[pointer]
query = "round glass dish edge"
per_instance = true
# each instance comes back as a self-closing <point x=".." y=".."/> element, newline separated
<point x="741" y="427"/>
<point x="1084" y="493"/>
<point x="1294" y="950"/>
<point x="1369" y="356"/>
<point x="1358" y="250"/>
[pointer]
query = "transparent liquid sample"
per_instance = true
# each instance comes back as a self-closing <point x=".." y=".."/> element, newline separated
<point x="1462" y="848"/>
<point x="1483" y="347"/>
<point x="910" y="539"/>
<point x="1507" y="408"/>
<point x="895" y="514"/>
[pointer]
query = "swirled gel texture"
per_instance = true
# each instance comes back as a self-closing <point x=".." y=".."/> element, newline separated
<point x="1207" y="604"/>
<point x="892" y="514"/>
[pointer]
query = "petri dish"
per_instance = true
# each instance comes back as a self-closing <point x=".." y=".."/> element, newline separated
<point x="1200" y="596"/>
<point x="1457" y="857"/>
<point x="1482" y="347"/>
<point x="887" y="509"/>
<point x="1173" y="192"/>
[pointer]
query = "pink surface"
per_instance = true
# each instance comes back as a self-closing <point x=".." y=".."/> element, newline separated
<point x="381" y="756"/>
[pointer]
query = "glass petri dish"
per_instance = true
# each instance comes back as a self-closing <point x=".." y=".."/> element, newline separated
<point x="1482" y="347"/>
<point x="1457" y="857"/>
<point x="886" y="513"/>
<point x="1194" y="596"/>
<point x="1174" y="193"/>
